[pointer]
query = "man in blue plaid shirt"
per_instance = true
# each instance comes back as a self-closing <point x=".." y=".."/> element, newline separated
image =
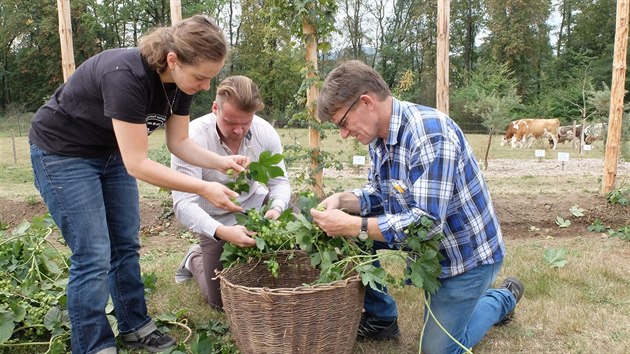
<point x="421" y="165"/>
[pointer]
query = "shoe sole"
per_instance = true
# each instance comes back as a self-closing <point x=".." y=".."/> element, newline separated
<point x="180" y="280"/>
<point x="377" y="339"/>
<point x="147" y="348"/>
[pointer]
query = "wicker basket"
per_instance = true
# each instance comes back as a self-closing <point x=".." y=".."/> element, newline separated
<point x="281" y="315"/>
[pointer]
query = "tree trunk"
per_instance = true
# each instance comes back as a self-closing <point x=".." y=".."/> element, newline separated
<point x="176" y="11"/>
<point x="617" y="92"/>
<point x="311" y="98"/>
<point x="441" y="90"/>
<point x="65" y="37"/>
<point x="485" y="158"/>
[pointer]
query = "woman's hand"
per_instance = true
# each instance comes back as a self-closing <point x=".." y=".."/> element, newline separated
<point x="237" y="235"/>
<point x="236" y="163"/>
<point x="219" y="195"/>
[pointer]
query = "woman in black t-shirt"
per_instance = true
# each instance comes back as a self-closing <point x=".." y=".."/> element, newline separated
<point x="89" y="143"/>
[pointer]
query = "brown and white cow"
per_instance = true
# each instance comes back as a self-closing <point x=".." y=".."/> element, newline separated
<point x="523" y="132"/>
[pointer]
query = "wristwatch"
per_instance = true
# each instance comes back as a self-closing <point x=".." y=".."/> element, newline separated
<point x="363" y="234"/>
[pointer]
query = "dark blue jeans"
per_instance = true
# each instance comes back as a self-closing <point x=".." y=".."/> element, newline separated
<point x="379" y="303"/>
<point x="95" y="204"/>
<point x="464" y="305"/>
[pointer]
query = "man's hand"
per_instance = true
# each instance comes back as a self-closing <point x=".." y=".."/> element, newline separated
<point x="330" y="203"/>
<point x="237" y="235"/>
<point x="335" y="222"/>
<point x="272" y="214"/>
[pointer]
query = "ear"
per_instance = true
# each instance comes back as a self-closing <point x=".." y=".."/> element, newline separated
<point x="215" y="107"/>
<point x="367" y="100"/>
<point x="171" y="60"/>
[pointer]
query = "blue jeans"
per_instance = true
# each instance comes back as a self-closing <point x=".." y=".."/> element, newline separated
<point x="464" y="305"/>
<point x="379" y="303"/>
<point x="467" y="308"/>
<point x="95" y="204"/>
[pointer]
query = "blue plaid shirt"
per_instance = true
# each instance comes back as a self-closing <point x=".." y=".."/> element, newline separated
<point x="427" y="168"/>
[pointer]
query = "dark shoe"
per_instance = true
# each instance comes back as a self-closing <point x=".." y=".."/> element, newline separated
<point x="373" y="328"/>
<point x="517" y="289"/>
<point x="183" y="274"/>
<point x="153" y="342"/>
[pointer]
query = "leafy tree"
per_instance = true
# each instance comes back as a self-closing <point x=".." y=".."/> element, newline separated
<point x="592" y="39"/>
<point x="520" y="38"/>
<point x="467" y="21"/>
<point x="490" y="97"/>
<point x="268" y="55"/>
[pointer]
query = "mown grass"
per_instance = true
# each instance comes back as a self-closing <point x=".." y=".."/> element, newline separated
<point x="583" y="307"/>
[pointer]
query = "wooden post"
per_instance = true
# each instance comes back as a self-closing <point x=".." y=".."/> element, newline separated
<point x="577" y="140"/>
<point x="311" y="100"/>
<point x="65" y="37"/>
<point x="617" y="91"/>
<point x="176" y="11"/>
<point x="442" y="83"/>
<point x="14" y="151"/>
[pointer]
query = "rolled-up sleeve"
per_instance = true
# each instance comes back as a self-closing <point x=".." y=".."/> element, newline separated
<point x="431" y="169"/>
<point x="186" y="205"/>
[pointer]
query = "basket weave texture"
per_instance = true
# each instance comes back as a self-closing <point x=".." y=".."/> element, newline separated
<point x="282" y="315"/>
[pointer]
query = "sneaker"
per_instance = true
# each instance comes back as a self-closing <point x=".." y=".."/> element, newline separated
<point x="373" y="328"/>
<point x="183" y="274"/>
<point x="153" y="342"/>
<point x="517" y="289"/>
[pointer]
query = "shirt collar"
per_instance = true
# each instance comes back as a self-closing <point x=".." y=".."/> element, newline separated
<point x="395" y="124"/>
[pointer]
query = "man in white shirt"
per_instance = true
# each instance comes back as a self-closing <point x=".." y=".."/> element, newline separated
<point x="231" y="128"/>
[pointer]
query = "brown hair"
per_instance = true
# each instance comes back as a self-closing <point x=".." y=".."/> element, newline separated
<point x="240" y="91"/>
<point x="347" y="82"/>
<point x="193" y="40"/>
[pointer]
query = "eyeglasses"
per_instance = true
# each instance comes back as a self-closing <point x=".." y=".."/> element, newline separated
<point x="342" y="122"/>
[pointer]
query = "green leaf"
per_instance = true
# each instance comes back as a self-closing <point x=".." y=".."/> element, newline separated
<point x="576" y="211"/>
<point x="6" y="326"/>
<point x="596" y="226"/>
<point x="260" y="243"/>
<point x="241" y="218"/>
<point x="53" y="318"/>
<point x="562" y="222"/>
<point x="556" y="258"/>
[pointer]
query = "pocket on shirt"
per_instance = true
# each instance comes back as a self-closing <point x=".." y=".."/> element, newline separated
<point x="400" y="196"/>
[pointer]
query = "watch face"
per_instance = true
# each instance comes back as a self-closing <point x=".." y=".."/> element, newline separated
<point x="363" y="236"/>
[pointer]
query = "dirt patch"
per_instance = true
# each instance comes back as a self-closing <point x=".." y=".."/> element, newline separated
<point x="521" y="215"/>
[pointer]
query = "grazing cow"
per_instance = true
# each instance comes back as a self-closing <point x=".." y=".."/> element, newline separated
<point x="565" y="133"/>
<point x="510" y="131"/>
<point x="594" y="132"/>
<point x="523" y="132"/>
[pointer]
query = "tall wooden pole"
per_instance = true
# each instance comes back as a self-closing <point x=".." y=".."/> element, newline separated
<point x="65" y="37"/>
<point x="442" y="81"/>
<point x="617" y="91"/>
<point x="176" y="11"/>
<point x="311" y="99"/>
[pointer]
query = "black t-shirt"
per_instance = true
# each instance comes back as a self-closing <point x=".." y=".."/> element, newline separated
<point x="116" y="83"/>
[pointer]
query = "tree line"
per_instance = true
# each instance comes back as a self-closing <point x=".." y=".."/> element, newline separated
<point x="509" y="58"/>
